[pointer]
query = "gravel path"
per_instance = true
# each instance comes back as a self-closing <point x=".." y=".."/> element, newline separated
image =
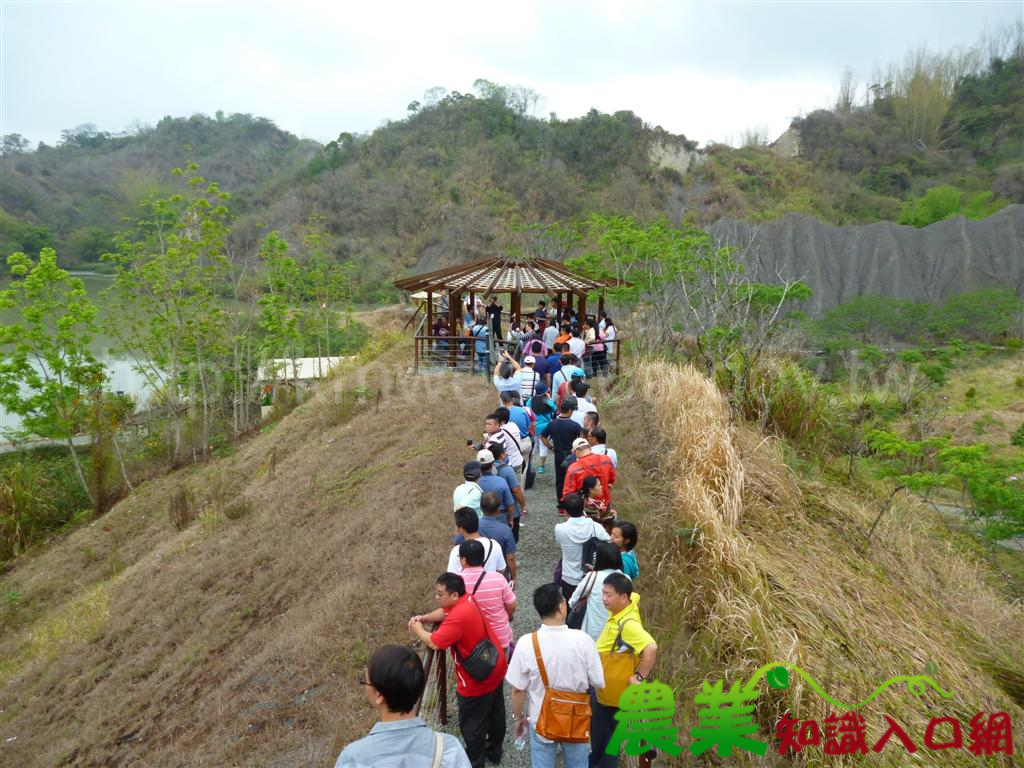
<point x="536" y="557"/>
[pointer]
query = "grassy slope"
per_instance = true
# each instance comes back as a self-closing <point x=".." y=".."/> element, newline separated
<point x="779" y="572"/>
<point x="237" y="641"/>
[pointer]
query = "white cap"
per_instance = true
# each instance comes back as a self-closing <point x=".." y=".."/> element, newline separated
<point x="485" y="456"/>
<point x="529" y="360"/>
<point x="577" y="445"/>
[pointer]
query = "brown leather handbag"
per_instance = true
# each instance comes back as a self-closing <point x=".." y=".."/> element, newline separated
<point x="564" y="715"/>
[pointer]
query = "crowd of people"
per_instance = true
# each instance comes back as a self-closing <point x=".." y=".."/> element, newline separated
<point x="590" y="642"/>
<point x="544" y="335"/>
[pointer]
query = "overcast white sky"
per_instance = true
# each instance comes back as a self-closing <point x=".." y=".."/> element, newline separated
<point x="705" y="69"/>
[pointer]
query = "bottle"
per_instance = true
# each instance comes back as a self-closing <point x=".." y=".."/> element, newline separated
<point x="521" y="743"/>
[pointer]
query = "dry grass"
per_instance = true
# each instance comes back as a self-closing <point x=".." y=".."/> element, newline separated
<point x="779" y="571"/>
<point x="236" y="641"/>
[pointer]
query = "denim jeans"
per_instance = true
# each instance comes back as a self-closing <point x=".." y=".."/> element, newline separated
<point x="483" y="363"/>
<point x="542" y="753"/>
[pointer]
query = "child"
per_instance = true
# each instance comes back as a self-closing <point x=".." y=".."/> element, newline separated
<point x="593" y="505"/>
<point x="624" y="535"/>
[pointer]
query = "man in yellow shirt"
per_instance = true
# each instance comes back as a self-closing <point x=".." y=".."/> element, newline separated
<point x="623" y="629"/>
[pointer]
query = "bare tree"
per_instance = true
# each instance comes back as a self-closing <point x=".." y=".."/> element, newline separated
<point x="847" y="92"/>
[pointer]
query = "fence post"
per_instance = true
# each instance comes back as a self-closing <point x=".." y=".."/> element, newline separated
<point x="442" y="686"/>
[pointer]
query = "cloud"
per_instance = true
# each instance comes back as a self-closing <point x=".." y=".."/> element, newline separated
<point x="708" y="70"/>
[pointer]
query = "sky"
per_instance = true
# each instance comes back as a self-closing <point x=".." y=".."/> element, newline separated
<point x="709" y="70"/>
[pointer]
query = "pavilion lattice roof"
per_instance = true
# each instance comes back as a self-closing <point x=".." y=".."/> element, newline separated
<point x="504" y="275"/>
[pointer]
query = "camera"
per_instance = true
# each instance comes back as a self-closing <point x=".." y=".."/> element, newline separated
<point x="474" y="446"/>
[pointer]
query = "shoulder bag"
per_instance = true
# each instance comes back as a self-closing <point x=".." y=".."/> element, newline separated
<point x="619" y="665"/>
<point x="484" y="657"/>
<point x="579" y="611"/>
<point x="564" y="715"/>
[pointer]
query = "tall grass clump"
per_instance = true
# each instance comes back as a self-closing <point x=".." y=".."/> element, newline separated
<point x="752" y="566"/>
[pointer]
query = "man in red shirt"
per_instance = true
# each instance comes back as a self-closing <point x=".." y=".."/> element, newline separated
<point x="589" y="463"/>
<point x="481" y="702"/>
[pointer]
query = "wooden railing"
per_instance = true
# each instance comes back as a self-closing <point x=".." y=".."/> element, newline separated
<point x="458" y="353"/>
<point x="435" y="693"/>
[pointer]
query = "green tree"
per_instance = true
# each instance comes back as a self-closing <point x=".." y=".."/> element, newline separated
<point x="329" y="284"/>
<point x="280" y="305"/>
<point x="13" y="144"/>
<point x="167" y="315"/>
<point x="983" y="315"/>
<point x="988" y="488"/>
<point x="48" y="372"/>
<point x="20" y="236"/>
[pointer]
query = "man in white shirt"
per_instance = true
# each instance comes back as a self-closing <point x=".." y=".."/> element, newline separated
<point x="498" y="429"/>
<point x="550" y="334"/>
<point x="571" y="663"/>
<point x="571" y="536"/>
<point x="528" y="378"/>
<point x="597" y="439"/>
<point x="468" y="524"/>
<point x="577" y="346"/>
<point x="580" y="389"/>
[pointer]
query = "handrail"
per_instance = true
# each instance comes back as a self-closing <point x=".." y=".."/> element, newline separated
<point x="440" y="670"/>
<point x="463" y="348"/>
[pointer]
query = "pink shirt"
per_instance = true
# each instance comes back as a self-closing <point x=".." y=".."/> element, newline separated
<point x="492" y="597"/>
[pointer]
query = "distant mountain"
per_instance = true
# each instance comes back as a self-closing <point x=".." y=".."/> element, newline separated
<point x="464" y="175"/>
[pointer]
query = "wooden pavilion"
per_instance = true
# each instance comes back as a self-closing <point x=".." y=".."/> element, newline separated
<point x="503" y="275"/>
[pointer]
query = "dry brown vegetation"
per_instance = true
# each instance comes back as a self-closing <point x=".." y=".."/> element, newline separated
<point x="237" y="640"/>
<point x="778" y="569"/>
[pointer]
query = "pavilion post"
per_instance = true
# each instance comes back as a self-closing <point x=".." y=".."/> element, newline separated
<point x="430" y="322"/>
<point x="472" y="304"/>
<point x="582" y="308"/>
<point x="600" y="303"/>
<point x="454" y="300"/>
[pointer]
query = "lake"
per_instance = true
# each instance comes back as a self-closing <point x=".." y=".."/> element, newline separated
<point x="120" y="368"/>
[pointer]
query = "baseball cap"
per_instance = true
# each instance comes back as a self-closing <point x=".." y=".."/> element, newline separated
<point x="529" y="359"/>
<point x="580" y="443"/>
<point x="485" y="456"/>
<point x="578" y="374"/>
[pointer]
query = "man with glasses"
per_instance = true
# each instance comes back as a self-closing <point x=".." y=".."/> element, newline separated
<point x="393" y="682"/>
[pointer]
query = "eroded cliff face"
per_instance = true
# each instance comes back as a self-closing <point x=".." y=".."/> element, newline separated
<point x="841" y="263"/>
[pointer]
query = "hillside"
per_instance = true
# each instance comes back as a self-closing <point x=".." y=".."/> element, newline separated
<point x="469" y="174"/>
<point x="758" y="563"/>
<point x="235" y="641"/>
<point x="924" y="265"/>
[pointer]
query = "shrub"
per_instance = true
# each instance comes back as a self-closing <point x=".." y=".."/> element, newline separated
<point x="182" y="509"/>
<point x="1017" y="438"/>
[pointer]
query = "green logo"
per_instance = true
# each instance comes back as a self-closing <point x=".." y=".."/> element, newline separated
<point x="645" y="720"/>
<point x="727" y="719"/>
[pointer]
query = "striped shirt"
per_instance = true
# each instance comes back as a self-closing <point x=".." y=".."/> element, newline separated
<point x="493" y="594"/>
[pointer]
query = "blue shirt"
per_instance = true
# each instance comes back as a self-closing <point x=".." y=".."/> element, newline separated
<point x="410" y="743"/>
<point x="481" y="332"/>
<point x="519" y="415"/>
<point x="495" y="528"/>
<point x="502" y="469"/>
<point x="630" y="566"/>
<point x="553" y="364"/>
<point x="498" y="485"/>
